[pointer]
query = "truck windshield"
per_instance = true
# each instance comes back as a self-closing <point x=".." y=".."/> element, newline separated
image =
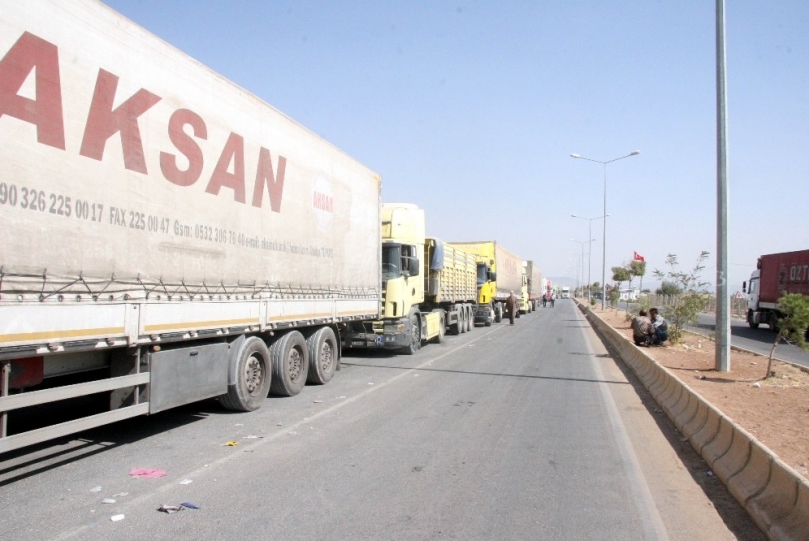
<point x="481" y="274"/>
<point x="391" y="261"/>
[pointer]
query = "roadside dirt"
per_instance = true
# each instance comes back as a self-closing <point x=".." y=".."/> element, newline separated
<point x="776" y="413"/>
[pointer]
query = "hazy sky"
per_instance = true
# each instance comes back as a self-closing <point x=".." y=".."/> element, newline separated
<point x="472" y="109"/>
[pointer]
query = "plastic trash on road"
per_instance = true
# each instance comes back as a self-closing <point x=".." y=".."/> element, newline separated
<point x="146" y="473"/>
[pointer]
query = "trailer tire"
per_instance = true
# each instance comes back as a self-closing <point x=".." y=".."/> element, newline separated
<point x="455" y="328"/>
<point x="463" y="320"/>
<point x="290" y="364"/>
<point x="415" y="336"/>
<point x="253" y="376"/>
<point x="498" y="313"/>
<point x="322" y="346"/>
<point x="470" y="318"/>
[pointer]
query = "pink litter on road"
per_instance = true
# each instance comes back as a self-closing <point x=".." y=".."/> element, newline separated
<point x="146" y="473"/>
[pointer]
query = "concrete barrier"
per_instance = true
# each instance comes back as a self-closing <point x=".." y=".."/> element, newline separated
<point x="736" y="457"/>
<point x="720" y="445"/>
<point x="709" y="430"/>
<point x="775" y="495"/>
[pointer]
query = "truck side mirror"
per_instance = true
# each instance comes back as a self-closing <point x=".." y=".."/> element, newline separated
<point x="492" y="276"/>
<point x="744" y="287"/>
<point x="413" y="266"/>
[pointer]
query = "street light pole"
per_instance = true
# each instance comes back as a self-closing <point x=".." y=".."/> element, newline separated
<point x="583" y="242"/>
<point x="604" y="245"/>
<point x="589" y="248"/>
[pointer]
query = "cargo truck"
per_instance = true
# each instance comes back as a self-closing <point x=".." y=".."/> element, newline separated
<point x="167" y="236"/>
<point x="535" y="285"/>
<point x="499" y="272"/>
<point x="428" y="287"/>
<point x="775" y="275"/>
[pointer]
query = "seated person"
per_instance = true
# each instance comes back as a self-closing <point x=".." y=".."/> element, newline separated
<point x="641" y="329"/>
<point x="660" y="326"/>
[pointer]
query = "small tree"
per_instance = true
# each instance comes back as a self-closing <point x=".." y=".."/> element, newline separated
<point x="792" y="326"/>
<point x="613" y="294"/>
<point x="669" y="289"/>
<point x="693" y="298"/>
<point x="619" y="274"/>
<point x="636" y="268"/>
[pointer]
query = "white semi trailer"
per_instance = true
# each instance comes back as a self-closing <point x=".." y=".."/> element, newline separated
<point x="167" y="236"/>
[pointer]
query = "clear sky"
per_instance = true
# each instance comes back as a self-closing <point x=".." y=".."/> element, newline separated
<point x="472" y="109"/>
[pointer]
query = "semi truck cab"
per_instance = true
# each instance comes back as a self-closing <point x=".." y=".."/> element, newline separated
<point x="486" y="311"/>
<point x="404" y="254"/>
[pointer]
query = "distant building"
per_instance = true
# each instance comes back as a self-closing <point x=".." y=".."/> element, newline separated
<point x="630" y="294"/>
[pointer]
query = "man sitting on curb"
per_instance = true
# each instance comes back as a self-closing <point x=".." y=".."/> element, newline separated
<point x="660" y="332"/>
<point x="641" y="329"/>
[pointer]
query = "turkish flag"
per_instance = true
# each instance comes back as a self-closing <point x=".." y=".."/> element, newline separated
<point x="638" y="257"/>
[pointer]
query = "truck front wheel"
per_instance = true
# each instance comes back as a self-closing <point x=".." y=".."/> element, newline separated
<point x="750" y="320"/>
<point x="253" y="376"/>
<point x="322" y="346"/>
<point x="290" y="364"/>
<point x="415" y="336"/>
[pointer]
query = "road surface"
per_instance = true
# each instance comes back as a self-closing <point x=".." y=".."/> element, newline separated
<point x="758" y="340"/>
<point x="524" y="432"/>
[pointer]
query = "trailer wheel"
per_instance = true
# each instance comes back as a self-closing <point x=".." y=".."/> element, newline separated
<point x="498" y="313"/>
<point x="322" y="346"/>
<point x="750" y="320"/>
<point x="455" y="328"/>
<point x="253" y="376"/>
<point x="463" y="319"/>
<point x="415" y="336"/>
<point x="470" y="318"/>
<point x="290" y="364"/>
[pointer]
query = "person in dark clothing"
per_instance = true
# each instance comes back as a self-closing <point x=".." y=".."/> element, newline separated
<point x="641" y="329"/>
<point x="660" y="331"/>
<point x="511" y="307"/>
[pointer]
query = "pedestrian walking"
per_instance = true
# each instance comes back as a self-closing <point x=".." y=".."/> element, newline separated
<point x="511" y="307"/>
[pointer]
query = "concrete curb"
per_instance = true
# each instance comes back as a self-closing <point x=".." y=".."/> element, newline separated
<point x="774" y="494"/>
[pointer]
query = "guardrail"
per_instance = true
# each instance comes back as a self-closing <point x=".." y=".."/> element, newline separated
<point x="774" y="494"/>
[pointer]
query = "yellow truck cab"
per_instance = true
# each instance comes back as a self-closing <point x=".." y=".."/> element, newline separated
<point x="428" y="287"/>
<point x="499" y="273"/>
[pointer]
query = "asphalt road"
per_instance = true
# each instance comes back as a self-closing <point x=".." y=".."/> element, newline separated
<point x="758" y="340"/>
<point x="524" y="432"/>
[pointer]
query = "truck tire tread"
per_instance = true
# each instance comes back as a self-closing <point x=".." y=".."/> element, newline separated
<point x="253" y="377"/>
<point x="290" y="364"/>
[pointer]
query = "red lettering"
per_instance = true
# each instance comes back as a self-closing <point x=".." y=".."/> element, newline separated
<point x="103" y="122"/>
<point x="233" y="152"/>
<point x="45" y="112"/>
<point x="265" y="176"/>
<point x="185" y="144"/>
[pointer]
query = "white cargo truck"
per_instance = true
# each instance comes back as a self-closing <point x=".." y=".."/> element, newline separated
<point x="167" y="236"/>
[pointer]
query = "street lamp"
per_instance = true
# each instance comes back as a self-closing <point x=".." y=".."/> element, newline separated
<point x="589" y="247"/>
<point x="583" y="242"/>
<point x="604" y="247"/>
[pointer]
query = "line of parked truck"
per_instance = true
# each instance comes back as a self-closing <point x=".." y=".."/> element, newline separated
<point x="169" y="237"/>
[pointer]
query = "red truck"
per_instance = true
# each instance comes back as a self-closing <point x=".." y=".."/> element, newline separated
<point x="775" y="275"/>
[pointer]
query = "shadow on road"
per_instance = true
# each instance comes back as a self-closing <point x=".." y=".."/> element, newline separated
<point x="472" y="373"/>
<point x="35" y="459"/>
